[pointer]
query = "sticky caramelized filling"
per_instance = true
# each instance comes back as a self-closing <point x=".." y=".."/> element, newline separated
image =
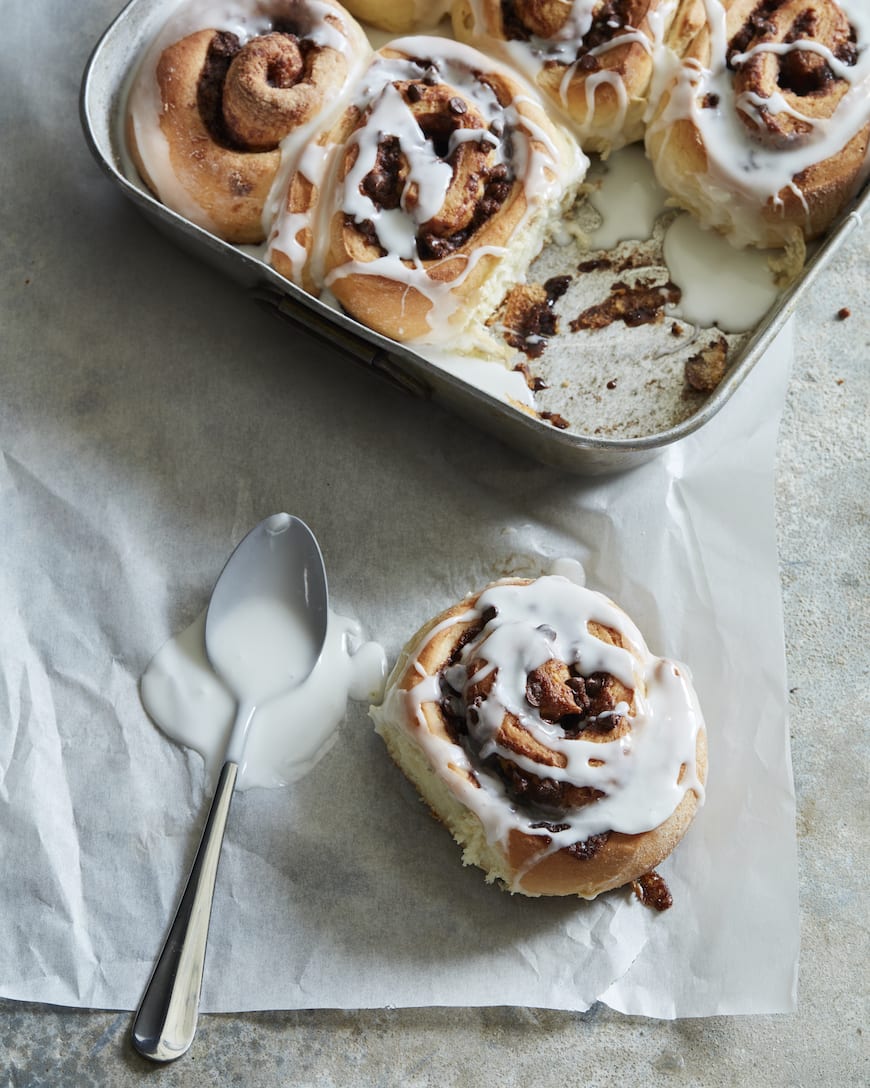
<point x="583" y="707"/>
<point x="756" y="25"/>
<point x="210" y="89"/>
<point x="480" y="183"/>
<point x="638" y="304"/>
<point x="545" y="20"/>
<point x="384" y="184"/>
<point x="287" y="61"/>
<point x="801" y="74"/>
<point x="527" y="319"/>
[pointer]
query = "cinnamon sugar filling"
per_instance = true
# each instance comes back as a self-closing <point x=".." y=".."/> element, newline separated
<point x="480" y="183"/>
<point x="286" y="61"/>
<point x="801" y="73"/>
<point x="583" y="707"/>
<point x="526" y="20"/>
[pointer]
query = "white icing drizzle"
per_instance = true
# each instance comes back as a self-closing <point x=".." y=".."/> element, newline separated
<point x="313" y="163"/>
<point x="526" y="147"/>
<point x="490" y="376"/>
<point x="430" y="175"/>
<point x="290" y="733"/>
<point x="737" y="165"/>
<point x="247" y="19"/>
<point x="627" y="197"/>
<point x="643" y="775"/>
<point x="532" y="57"/>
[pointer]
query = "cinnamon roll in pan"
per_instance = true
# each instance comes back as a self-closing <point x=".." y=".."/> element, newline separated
<point x="227" y="94"/>
<point x="430" y="196"/>
<point x="563" y="756"/>
<point x="763" y="130"/>
<point x="592" y="59"/>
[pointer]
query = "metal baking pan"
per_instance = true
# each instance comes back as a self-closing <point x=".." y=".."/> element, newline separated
<point x="103" y="93"/>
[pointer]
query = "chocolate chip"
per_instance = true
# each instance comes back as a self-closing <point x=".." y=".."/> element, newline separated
<point x="545" y="792"/>
<point x="587" y="849"/>
<point x="452" y="705"/>
<point x="431" y="77"/>
<point x="433" y="246"/>
<point x="595" y="685"/>
<point x="383" y="184"/>
<point x="414" y="92"/>
<point x="457" y="106"/>
<point x="556" y="286"/>
<point x="571" y="723"/>
<point x="498" y="191"/>
<point x="577" y="686"/>
<point x="605" y="723"/>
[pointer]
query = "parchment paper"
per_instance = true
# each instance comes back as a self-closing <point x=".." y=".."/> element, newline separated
<point x="149" y="416"/>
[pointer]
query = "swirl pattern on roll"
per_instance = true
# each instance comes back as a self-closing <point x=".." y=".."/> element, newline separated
<point x="561" y="754"/>
<point x="763" y="131"/>
<point x="430" y="196"/>
<point x="227" y="94"/>
<point x="593" y="59"/>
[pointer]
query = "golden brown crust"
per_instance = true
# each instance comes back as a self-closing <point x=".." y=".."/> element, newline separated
<point x="621" y="859"/>
<point x="230" y="185"/>
<point x="460" y="247"/>
<point x="525" y="862"/>
<point x="225" y="106"/>
<point x="602" y="82"/>
<point x="805" y="207"/>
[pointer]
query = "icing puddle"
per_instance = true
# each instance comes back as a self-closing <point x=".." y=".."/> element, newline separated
<point x="290" y="733"/>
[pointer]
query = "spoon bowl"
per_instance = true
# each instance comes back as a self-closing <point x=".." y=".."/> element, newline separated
<point x="266" y="620"/>
<point x="264" y="634"/>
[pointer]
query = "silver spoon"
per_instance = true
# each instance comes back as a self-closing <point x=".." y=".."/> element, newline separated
<point x="279" y="561"/>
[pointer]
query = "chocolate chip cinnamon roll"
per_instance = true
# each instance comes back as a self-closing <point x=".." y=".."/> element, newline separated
<point x="593" y="59"/>
<point x="763" y="131"/>
<point x="560" y="753"/>
<point x="430" y="196"/>
<point x="216" y="109"/>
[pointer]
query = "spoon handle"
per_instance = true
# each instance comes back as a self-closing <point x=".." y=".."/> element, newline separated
<point x="165" y="1024"/>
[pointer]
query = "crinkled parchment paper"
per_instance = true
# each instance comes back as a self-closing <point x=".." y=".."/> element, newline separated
<point x="122" y="495"/>
<point x="149" y="416"/>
